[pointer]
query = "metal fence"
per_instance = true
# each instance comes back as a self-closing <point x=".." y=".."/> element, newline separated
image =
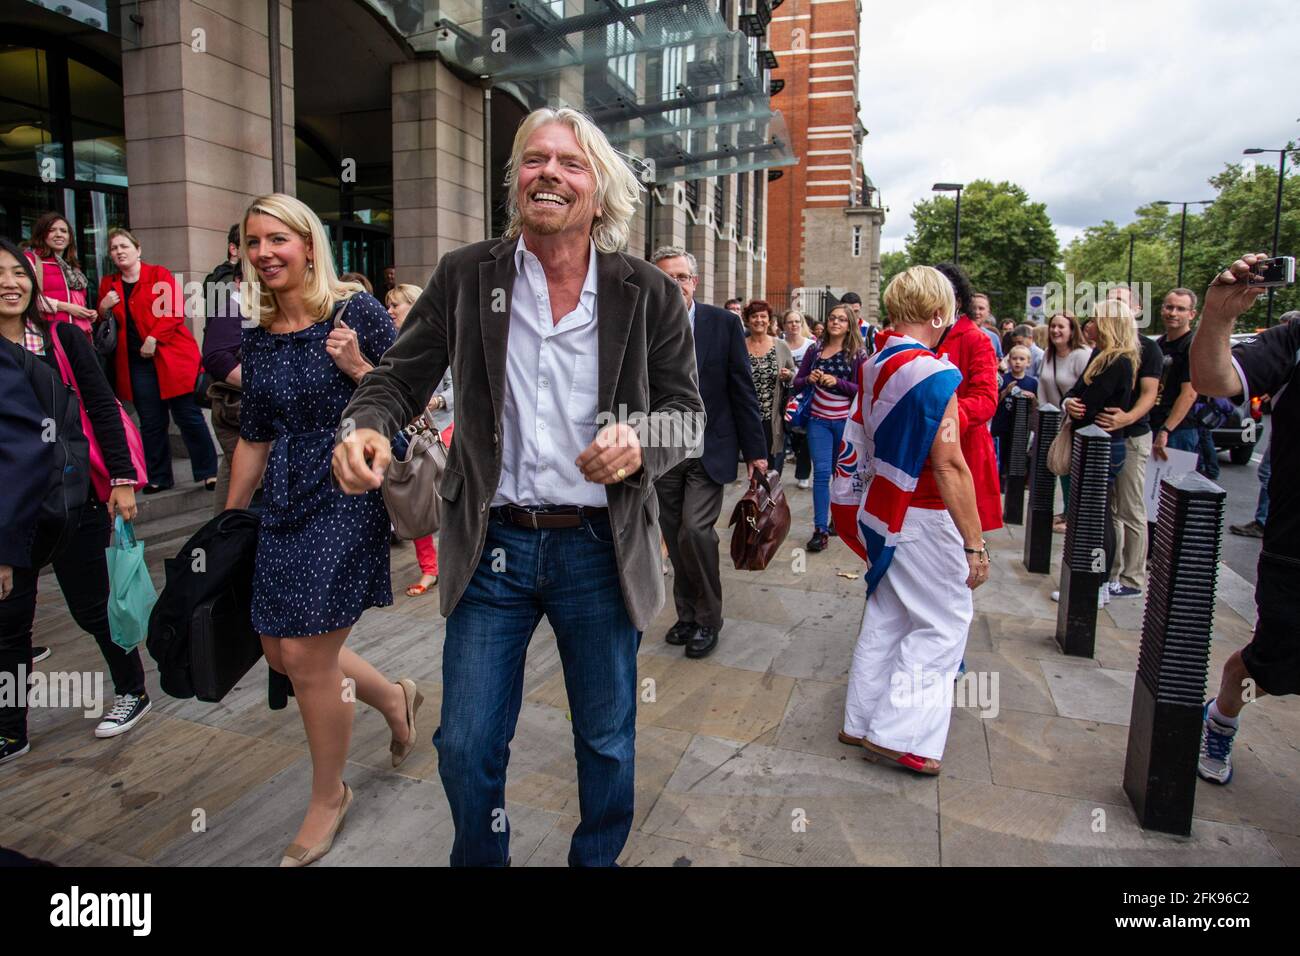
<point x="813" y="303"/>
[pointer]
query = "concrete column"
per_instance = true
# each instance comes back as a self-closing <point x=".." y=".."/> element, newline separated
<point x="437" y="166"/>
<point x="724" y="284"/>
<point x="198" y="124"/>
<point x="699" y="239"/>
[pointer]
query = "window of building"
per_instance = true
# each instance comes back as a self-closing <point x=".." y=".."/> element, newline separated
<point x="857" y="241"/>
<point x="758" y="207"/>
<point x="622" y="63"/>
<point x="719" y="200"/>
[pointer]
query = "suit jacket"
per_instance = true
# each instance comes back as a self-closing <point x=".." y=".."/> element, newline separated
<point x="645" y="367"/>
<point x="727" y="388"/>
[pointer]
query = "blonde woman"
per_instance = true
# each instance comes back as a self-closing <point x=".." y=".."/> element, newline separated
<point x="905" y="502"/>
<point x="1107" y="382"/>
<point x="322" y="556"/>
<point x="399" y="301"/>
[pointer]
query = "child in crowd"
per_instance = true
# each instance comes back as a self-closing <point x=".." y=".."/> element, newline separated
<point x="1015" y="381"/>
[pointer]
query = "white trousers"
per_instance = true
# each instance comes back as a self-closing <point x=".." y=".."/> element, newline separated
<point x="913" y="637"/>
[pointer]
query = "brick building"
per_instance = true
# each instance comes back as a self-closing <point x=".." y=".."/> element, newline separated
<point x="824" y="215"/>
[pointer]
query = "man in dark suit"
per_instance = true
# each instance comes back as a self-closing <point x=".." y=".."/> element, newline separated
<point x="549" y="505"/>
<point x="690" y="495"/>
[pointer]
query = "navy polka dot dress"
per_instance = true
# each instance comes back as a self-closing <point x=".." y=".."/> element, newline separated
<point x="322" y="556"/>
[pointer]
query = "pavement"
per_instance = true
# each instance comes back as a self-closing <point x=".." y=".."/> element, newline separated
<point x="737" y="758"/>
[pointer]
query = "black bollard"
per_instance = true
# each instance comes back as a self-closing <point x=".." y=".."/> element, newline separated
<point x="1164" y="729"/>
<point x="1083" y="564"/>
<point x="1042" y="494"/>
<point x="1013" y="501"/>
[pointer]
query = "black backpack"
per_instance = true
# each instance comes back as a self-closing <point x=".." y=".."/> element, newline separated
<point x="201" y="631"/>
<point x="68" y="488"/>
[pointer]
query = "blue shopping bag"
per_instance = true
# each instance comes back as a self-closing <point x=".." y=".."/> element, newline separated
<point x="131" y="593"/>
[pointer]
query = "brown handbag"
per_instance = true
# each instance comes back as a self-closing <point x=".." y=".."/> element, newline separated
<point x="1061" y="448"/>
<point x="759" y="522"/>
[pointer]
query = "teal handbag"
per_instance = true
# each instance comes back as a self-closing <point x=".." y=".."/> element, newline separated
<point x="131" y="594"/>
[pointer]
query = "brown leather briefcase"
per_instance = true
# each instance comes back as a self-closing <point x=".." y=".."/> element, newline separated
<point x="759" y="523"/>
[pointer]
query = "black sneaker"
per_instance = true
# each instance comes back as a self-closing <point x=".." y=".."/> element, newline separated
<point x="125" y="714"/>
<point x="680" y="633"/>
<point x="39" y="654"/>
<point x="11" y="749"/>
<point x="818" y="541"/>
<point x="1252" y="529"/>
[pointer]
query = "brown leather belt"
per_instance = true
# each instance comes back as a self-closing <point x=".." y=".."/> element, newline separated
<point x="550" y="517"/>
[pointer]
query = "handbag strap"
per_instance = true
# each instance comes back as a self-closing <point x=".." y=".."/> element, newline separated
<point x="61" y="357"/>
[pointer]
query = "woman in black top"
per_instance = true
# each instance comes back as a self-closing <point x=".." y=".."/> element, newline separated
<point x="81" y="569"/>
<point x="1107" y="382"/>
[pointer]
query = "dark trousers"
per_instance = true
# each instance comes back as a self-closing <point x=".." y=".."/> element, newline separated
<point x="689" y="504"/>
<point x="153" y="410"/>
<point x="797" y="443"/>
<point x="82" y="573"/>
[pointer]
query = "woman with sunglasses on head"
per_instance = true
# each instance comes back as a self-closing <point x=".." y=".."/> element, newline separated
<point x="80" y="567"/>
<point x="798" y="338"/>
<point x="322" y="556"/>
<point x="156" y="361"/>
<point x="399" y="301"/>
<point x="831" y="368"/>
<point x="61" y="285"/>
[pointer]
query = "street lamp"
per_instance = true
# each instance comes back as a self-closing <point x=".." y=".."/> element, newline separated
<point x="1041" y="263"/>
<point x="956" y="229"/>
<point x="1277" y="210"/>
<point x="1182" y="232"/>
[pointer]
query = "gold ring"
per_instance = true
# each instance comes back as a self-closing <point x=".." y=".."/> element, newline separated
<point x="621" y="474"/>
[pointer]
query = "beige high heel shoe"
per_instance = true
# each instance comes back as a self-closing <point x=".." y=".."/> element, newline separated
<point x="299" y="855"/>
<point x="414" y="699"/>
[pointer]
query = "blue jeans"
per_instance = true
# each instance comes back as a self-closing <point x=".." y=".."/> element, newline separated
<point x="1209" y="461"/>
<point x="152" y="409"/>
<point x="823" y="445"/>
<point x="569" y="575"/>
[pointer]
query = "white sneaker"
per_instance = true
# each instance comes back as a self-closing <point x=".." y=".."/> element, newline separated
<point x="804" y="483"/>
<point x="125" y="714"/>
<point x="1056" y="596"/>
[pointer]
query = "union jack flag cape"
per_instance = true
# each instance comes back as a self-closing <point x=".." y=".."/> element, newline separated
<point x="902" y="392"/>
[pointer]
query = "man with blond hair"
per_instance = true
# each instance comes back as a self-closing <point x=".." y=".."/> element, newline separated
<point x="567" y="345"/>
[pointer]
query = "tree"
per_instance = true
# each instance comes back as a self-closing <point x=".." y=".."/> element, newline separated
<point x="891" y="264"/>
<point x="1001" y="230"/>
<point x="1239" y="221"/>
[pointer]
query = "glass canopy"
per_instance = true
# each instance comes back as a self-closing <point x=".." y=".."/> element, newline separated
<point x="667" y="80"/>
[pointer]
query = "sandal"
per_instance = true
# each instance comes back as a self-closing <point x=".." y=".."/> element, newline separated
<point x="415" y="590"/>
<point x="922" y="765"/>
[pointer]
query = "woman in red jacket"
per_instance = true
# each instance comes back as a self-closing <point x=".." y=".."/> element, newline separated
<point x="157" y="361"/>
<point x="971" y="351"/>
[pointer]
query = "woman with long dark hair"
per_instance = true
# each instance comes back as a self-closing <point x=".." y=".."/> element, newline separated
<point x="831" y="368"/>
<point x="157" y="361"/>
<point x="81" y="567"/>
<point x="1065" y="360"/>
<point x="61" y="286"/>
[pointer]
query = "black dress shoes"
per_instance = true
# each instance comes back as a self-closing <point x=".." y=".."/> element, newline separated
<point x="703" y="643"/>
<point x="680" y="633"/>
<point x="817" y="542"/>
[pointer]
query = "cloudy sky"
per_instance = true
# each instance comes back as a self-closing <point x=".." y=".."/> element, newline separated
<point x="1093" y="107"/>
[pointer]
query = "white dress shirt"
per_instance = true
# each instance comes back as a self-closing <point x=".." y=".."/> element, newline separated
<point x="551" y="378"/>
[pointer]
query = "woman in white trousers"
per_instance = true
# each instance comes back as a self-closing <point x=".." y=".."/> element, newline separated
<point x="907" y="503"/>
